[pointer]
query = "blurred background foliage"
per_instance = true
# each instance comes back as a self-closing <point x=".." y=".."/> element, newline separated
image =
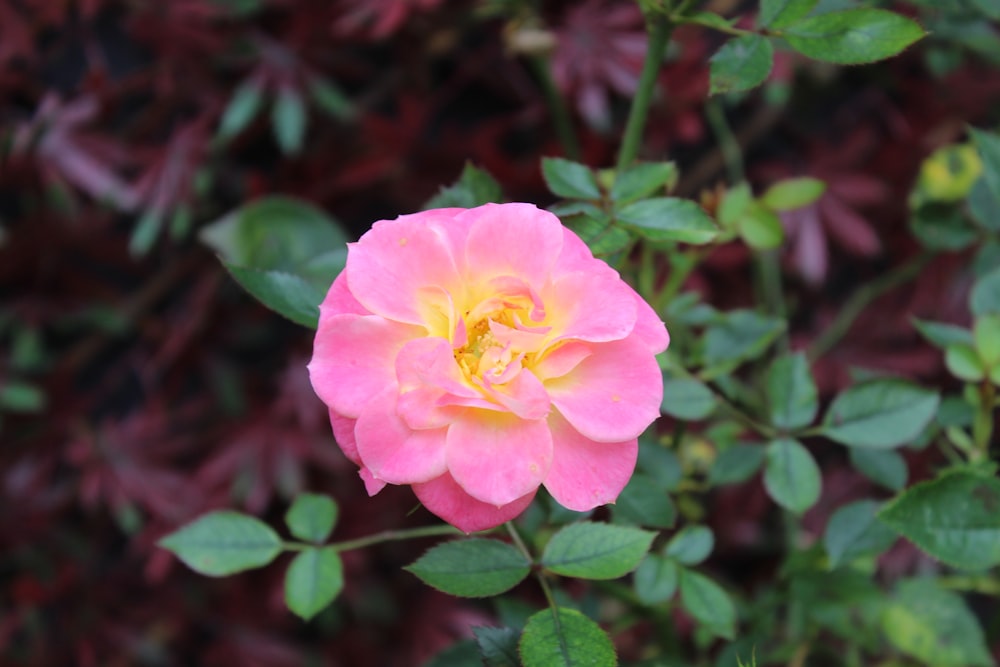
<point x="140" y="387"/>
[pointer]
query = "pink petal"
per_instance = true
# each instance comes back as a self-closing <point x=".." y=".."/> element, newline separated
<point x="524" y="395"/>
<point x="498" y="458"/>
<point x="512" y="240"/>
<point x="612" y="395"/>
<point x="353" y="359"/>
<point x="590" y="306"/>
<point x="561" y="360"/>
<point x="649" y="328"/>
<point x="343" y="433"/>
<point x="340" y="301"/>
<point x="445" y="498"/>
<point x="584" y="473"/>
<point x="372" y="485"/>
<point x="432" y="385"/>
<point x="394" y="452"/>
<point x="396" y="259"/>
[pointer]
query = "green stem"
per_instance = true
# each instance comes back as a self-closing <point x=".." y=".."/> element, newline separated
<point x="770" y="291"/>
<point x="561" y="118"/>
<point x="982" y="425"/>
<point x="385" y="536"/>
<point x="860" y="300"/>
<point x="732" y="153"/>
<point x="659" y="35"/>
<point x="539" y="574"/>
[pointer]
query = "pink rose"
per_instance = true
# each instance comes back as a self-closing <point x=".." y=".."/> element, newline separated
<point x="477" y="353"/>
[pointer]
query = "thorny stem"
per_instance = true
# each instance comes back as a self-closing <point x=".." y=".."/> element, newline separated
<point x="542" y="581"/>
<point x="860" y="300"/>
<point x="377" y="538"/>
<point x="659" y="35"/>
<point x="561" y="119"/>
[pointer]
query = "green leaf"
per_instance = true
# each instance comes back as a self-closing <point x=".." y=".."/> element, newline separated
<point x="708" y="603"/>
<point x="941" y="334"/>
<point x="942" y="227"/>
<point x="643" y="179"/>
<point x="659" y="463"/>
<point x="760" y="228"/>
<point x="740" y="64"/>
<point x="854" y="531"/>
<point x="331" y="99"/>
<point x="733" y="204"/>
<point x="575" y="641"/>
<point x="740" y="335"/>
<point x="883" y="466"/>
<point x="145" y="232"/>
<point x="588" y="550"/>
<point x="988" y="145"/>
<point x="853" y="36"/>
<point x="314" y="578"/>
<point x="463" y="653"/>
<point x="791" y="475"/>
<point x="880" y="413"/>
<point x="687" y="399"/>
<point x="312" y="517"/>
<point x="661" y="219"/>
<point x="598" y="232"/>
<point x="498" y="646"/>
<point x="474" y="187"/>
<point x="955" y="518"/>
<point x="20" y="396"/>
<point x="793" y="193"/>
<point x="963" y="362"/>
<point x="224" y="542"/>
<point x="655" y="580"/>
<point x="736" y="464"/>
<point x="778" y="14"/>
<point x="986" y="332"/>
<point x="474" y="567"/>
<point x="644" y="502"/>
<point x="288" y="120"/>
<point x="242" y="107"/>
<point x="935" y="626"/>
<point x="985" y="296"/>
<point x="691" y="545"/>
<point x="984" y="205"/>
<point x="568" y="179"/>
<point x="285" y="293"/>
<point x="791" y="392"/>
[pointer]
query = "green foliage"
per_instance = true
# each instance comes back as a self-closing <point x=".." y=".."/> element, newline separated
<point x="955" y="518"/>
<point x="687" y="399"/>
<point x="314" y="578"/>
<point x="568" y="179"/>
<point x="741" y="64"/>
<point x="736" y="464"/>
<point x="474" y="187"/>
<point x="777" y="14"/>
<point x="691" y="545"/>
<point x="854" y="531"/>
<point x="644" y="502"/>
<point x="985" y="296"/>
<point x="498" y="646"/>
<point x="312" y="517"/>
<point x="792" y="396"/>
<point x="661" y="219"/>
<point x="853" y="36"/>
<point x="883" y="466"/>
<point x="474" y="567"/>
<point x="708" y="603"/>
<point x="572" y="641"/>
<point x="642" y="180"/>
<point x="793" y="193"/>
<point x="596" y="550"/>
<point x="881" y="413"/>
<point x="791" y="475"/>
<point x="656" y="579"/>
<point x="288" y="118"/>
<point x="223" y="543"/>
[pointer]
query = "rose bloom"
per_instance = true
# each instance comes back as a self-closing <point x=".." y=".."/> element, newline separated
<point x="475" y="354"/>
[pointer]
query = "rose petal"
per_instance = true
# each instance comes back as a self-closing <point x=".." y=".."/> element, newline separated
<point x="445" y="498"/>
<point x="561" y="360"/>
<point x="589" y="306"/>
<point x="394" y="452"/>
<point x="340" y="301"/>
<point x="343" y="433"/>
<point x="524" y="395"/>
<point x="497" y="457"/>
<point x="612" y="395"/>
<point x="649" y="328"/>
<point x="372" y="485"/>
<point x="517" y="240"/>
<point x="585" y="473"/>
<point x="395" y="260"/>
<point x="353" y="359"/>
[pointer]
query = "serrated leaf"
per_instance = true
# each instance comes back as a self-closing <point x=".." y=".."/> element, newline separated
<point x="777" y="14"/>
<point x="575" y="641"/>
<point x="791" y="475"/>
<point x="569" y="179"/>
<point x="285" y="293"/>
<point x="942" y="334"/>
<point x="474" y="567"/>
<point x="740" y="64"/>
<point x="881" y="413"/>
<point x="312" y="517"/>
<point x="791" y="393"/>
<point x="224" y="542"/>
<point x="760" y="228"/>
<point x="708" y="603"/>
<point x="644" y="502"/>
<point x="660" y="219"/>
<point x="288" y="120"/>
<point x="314" y="579"/>
<point x="589" y="550"/>
<point x="691" y="545"/>
<point x="740" y="335"/>
<point x="882" y="466"/>
<point x="854" y="531"/>
<point x="853" y="36"/>
<point x="793" y="193"/>
<point x="474" y="187"/>
<point x="656" y="579"/>
<point x="687" y="399"/>
<point x="736" y="464"/>
<point x="599" y="233"/>
<point x="935" y="626"/>
<point x="498" y="646"/>
<point x="955" y="518"/>
<point x="643" y="179"/>
<point x="984" y="299"/>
